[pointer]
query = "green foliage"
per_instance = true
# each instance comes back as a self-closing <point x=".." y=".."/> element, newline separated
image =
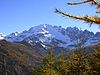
<point x="78" y="62"/>
<point x="46" y="68"/>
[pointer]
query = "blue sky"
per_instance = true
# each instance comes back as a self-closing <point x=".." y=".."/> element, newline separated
<point x="18" y="15"/>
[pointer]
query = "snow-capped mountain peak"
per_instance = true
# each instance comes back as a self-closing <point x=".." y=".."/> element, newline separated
<point x="2" y="36"/>
<point x="54" y="35"/>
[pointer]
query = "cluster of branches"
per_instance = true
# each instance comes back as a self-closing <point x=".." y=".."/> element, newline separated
<point x="86" y="18"/>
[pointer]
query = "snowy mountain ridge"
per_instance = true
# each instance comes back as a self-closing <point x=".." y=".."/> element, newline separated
<point x="2" y="36"/>
<point x="54" y="35"/>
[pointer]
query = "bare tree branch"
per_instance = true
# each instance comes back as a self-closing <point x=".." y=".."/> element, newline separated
<point x="92" y="2"/>
<point x="98" y="11"/>
<point x="76" y="3"/>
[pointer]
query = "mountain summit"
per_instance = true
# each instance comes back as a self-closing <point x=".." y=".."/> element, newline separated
<point x="48" y="35"/>
<point x="2" y="36"/>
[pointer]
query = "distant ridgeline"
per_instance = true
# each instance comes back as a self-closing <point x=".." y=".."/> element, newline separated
<point x="48" y="36"/>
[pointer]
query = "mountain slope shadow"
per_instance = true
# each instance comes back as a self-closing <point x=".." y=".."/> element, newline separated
<point x="16" y="59"/>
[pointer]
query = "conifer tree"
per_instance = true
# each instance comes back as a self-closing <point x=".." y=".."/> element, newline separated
<point x="61" y="65"/>
<point x="97" y="61"/>
<point x="46" y="66"/>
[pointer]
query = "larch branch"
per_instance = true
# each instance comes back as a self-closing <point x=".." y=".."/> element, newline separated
<point x="86" y="18"/>
<point x="92" y="2"/>
<point x="76" y="3"/>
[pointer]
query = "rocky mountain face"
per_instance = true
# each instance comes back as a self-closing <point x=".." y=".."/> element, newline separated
<point x="46" y="36"/>
<point x="2" y="36"/>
